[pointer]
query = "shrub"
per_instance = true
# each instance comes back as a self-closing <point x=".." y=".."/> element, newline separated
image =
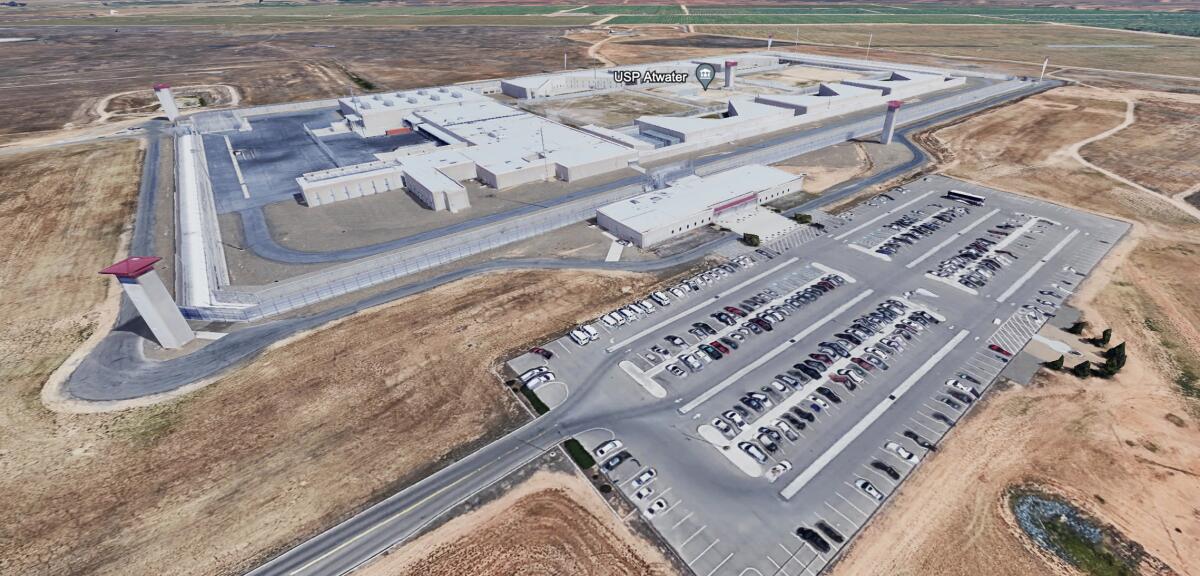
<point x="1056" y="364"/>
<point x="751" y="239"/>
<point x="1082" y="369"/>
<point x="803" y="218"/>
<point x="579" y="454"/>
<point x="1078" y="327"/>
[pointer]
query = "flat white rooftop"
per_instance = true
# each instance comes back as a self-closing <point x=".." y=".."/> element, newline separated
<point x="692" y="195"/>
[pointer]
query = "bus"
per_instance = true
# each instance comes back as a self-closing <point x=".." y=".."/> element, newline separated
<point x="965" y="198"/>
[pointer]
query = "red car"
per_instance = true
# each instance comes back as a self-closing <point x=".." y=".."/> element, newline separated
<point x="863" y="364"/>
<point x="736" y="311"/>
<point x="719" y="346"/>
<point x="544" y="353"/>
<point x="996" y="348"/>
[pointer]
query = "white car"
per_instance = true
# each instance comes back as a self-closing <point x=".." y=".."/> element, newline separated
<point x="870" y="489"/>
<point x="753" y="451"/>
<point x="819" y="401"/>
<point x="609" y="320"/>
<point x="778" y="470"/>
<point x="607" y="448"/>
<point x="644" y="477"/>
<point x="656" y="507"/>
<point x="965" y="388"/>
<point x="592" y="334"/>
<point x="648" y="306"/>
<point x="644" y="493"/>
<point x="735" y="418"/>
<point x="902" y="452"/>
<point x="579" y="337"/>
<point x="528" y="374"/>
<point x="723" y="427"/>
<point x="677" y="292"/>
<point x="542" y="378"/>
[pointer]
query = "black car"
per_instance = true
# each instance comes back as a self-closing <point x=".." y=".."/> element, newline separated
<point x="705" y="327"/>
<point x="830" y="532"/>
<point x="920" y="441"/>
<point x="849" y="337"/>
<point x="730" y="342"/>
<point x="965" y="399"/>
<point x="886" y="469"/>
<point x="808" y="371"/>
<point x="817" y="366"/>
<point x="794" y="421"/>
<point x="544" y="353"/>
<point x="761" y="324"/>
<point x="943" y="418"/>
<point x="830" y="394"/>
<point x="712" y="352"/>
<point x="805" y="414"/>
<point x="813" y="539"/>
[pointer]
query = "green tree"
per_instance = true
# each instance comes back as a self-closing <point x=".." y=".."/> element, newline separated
<point x="1078" y="327"/>
<point x="751" y="239"/>
<point x="1105" y="336"/>
<point x="1118" y="351"/>
<point x="1082" y="369"/>
<point x="803" y="218"/>
<point x="1056" y="364"/>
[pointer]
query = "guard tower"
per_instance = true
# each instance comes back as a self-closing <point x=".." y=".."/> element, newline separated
<point x="167" y="101"/>
<point x="730" y="74"/>
<point x="889" y="122"/>
<point x="145" y="289"/>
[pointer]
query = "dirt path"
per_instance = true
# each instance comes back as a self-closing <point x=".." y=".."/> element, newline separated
<point x="1130" y="118"/>
<point x="1127" y="449"/>
<point x="551" y="523"/>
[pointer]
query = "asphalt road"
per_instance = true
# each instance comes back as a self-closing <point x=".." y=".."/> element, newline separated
<point x="258" y="239"/>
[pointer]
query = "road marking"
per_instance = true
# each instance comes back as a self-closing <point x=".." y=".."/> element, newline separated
<point x="839" y="513"/>
<point x="716" y="389"/>
<point x="703" y="552"/>
<point x="682" y="520"/>
<point x="1033" y="270"/>
<point x="956" y="236"/>
<point x="694" y="534"/>
<point x="384" y="522"/>
<point x="819" y="464"/>
<point x="785" y="550"/>
<point x="706" y="302"/>
<point x="718" y="566"/>
<point x="881" y="216"/>
<point x="852" y="505"/>
<point x="930" y="430"/>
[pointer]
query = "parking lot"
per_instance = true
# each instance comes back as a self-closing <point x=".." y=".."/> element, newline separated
<point x="761" y="418"/>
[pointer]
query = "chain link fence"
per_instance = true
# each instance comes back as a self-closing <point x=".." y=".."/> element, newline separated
<point x="343" y="279"/>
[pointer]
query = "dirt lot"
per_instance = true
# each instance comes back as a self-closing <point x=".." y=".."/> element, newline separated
<point x="308" y="433"/>
<point x="609" y="110"/>
<point x="1128" y="449"/>
<point x="1161" y="150"/>
<point x="830" y="167"/>
<point x="552" y="523"/>
<point x="58" y="79"/>
<point x="1064" y="45"/>
<point x="145" y="102"/>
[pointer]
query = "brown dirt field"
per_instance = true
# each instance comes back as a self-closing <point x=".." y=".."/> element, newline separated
<point x="1127" y="450"/>
<point x="57" y="80"/>
<point x="1030" y="44"/>
<point x="145" y="102"/>
<point x="1161" y="151"/>
<point x="308" y="433"/>
<point x="551" y="523"/>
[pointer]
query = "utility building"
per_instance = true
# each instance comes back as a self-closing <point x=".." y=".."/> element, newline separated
<point x="652" y="218"/>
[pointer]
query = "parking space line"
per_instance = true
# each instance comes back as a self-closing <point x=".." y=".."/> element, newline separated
<point x="1033" y="269"/>
<point x="722" y="385"/>
<point x="703" y="303"/>
<point x="819" y="464"/>
<point x="852" y="505"/>
<point x="928" y="429"/>
<point x="956" y="236"/>
<point x="694" y="534"/>
<point x="839" y="513"/>
<point x="703" y="552"/>
<point x="672" y="507"/>
<point x="881" y="216"/>
<point x="682" y="520"/>
<point x="718" y="566"/>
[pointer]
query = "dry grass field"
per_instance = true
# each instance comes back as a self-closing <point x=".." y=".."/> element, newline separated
<point x="1127" y="449"/>
<point x="1071" y="46"/>
<point x="1162" y="147"/>
<point x="551" y="523"/>
<point x="57" y="80"/>
<point x="277" y="450"/>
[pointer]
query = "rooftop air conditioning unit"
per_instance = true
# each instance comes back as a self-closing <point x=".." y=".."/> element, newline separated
<point x="435" y="97"/>
<point x="456" y="94"/>
<point x="412" y="100"/>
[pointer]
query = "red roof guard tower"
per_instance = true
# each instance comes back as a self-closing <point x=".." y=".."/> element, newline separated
<point x="730" y="73"/>
<point x="889" y="122"/>
<point x="145" y="289"/>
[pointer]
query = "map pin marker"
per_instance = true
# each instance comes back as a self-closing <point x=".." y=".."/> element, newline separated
<point x="705" y="74"/>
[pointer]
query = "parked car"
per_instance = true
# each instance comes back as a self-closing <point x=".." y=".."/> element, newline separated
<point x="544" y="353"/>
